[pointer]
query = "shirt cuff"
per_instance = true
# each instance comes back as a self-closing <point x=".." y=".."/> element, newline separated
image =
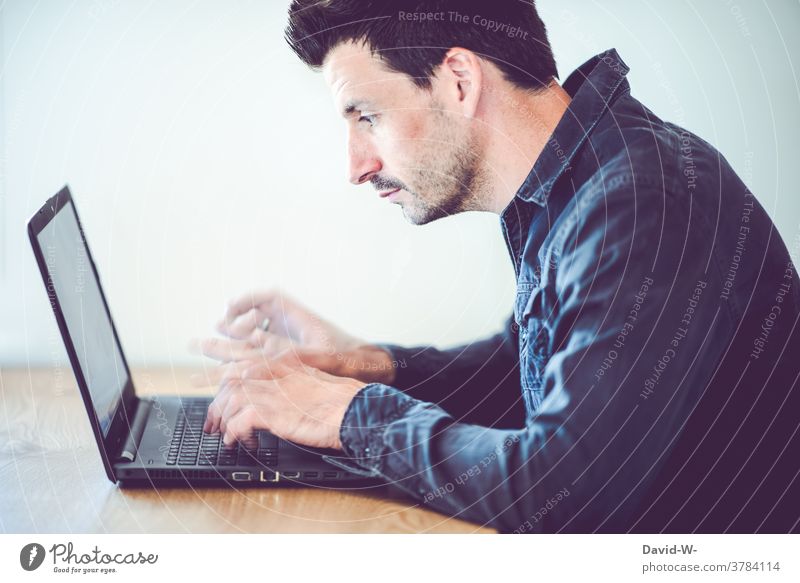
<point x="414" y="366"/>
<point x="369" y="414"/>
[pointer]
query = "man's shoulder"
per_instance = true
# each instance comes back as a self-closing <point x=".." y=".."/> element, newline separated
<point x="636" y="169"/>
<point x="633" y="150"/>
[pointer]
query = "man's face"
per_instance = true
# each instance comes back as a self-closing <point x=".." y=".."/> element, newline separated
<point x="401" y="138"/>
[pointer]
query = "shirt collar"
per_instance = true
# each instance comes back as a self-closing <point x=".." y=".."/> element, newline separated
<point x="592" y="87"/>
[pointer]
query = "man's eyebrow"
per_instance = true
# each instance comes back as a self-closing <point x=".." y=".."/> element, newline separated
<point x="354" y="105"/>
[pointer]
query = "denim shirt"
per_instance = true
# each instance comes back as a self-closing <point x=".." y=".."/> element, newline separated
<point x="644" y="381"/>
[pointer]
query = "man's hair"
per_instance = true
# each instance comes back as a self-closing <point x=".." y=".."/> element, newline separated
<point x="413" y="36"/>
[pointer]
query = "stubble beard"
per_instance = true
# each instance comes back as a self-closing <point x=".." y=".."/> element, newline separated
<point x="449" y="174"/>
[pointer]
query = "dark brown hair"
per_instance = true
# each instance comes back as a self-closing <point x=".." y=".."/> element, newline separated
<point x="413" y="36"/>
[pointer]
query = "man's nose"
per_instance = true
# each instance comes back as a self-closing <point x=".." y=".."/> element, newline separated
<point x="363" y="163"/>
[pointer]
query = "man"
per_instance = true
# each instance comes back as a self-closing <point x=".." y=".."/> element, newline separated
<point x="647" y="380"/>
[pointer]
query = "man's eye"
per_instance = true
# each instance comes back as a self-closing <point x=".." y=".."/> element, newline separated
<point x="370" y="119"/>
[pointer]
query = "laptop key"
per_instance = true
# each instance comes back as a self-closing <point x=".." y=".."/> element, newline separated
<point x="267" y="441"/>
<point x="245" y="459"/>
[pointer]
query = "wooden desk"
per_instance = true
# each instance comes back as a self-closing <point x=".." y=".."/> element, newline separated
<point x="52" y="479"/>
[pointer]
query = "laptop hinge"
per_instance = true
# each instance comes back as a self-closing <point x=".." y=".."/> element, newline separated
<point x="131" y="445"/>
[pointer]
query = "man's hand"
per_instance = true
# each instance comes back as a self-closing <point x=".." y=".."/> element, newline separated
<point x="300" y="404"/>
<point x="294" y="335"/>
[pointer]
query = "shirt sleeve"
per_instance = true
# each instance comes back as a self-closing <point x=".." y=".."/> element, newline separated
<point x="476" y="383"/>
<point x="584" y="460"/>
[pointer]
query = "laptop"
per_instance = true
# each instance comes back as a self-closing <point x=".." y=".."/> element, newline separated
<point x="152" y="440"/>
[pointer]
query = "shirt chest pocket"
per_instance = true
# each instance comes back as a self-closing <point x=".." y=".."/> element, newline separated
<point x="534" y="342"/>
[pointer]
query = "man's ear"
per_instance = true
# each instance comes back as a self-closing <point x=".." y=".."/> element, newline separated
<point x="463" y="76"/>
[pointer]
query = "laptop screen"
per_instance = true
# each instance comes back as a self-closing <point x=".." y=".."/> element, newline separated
<point x="72" y="281"/>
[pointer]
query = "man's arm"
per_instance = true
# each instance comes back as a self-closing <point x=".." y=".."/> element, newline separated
<point x="586" y="457"/>
<point x="475" y="383"/>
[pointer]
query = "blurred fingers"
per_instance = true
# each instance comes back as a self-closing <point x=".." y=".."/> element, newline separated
<point x="242" y="325"/>
<point x="261" y="301"/>
<point x="224" y="349"/>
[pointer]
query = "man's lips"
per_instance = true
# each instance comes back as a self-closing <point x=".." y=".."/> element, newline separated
<point x="388" y="192"/>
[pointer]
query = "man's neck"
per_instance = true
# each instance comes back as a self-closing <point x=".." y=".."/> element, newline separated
<point x="518" y="126"/>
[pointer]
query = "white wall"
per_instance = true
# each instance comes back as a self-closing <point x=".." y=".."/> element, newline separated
<point x="206" y="160"/>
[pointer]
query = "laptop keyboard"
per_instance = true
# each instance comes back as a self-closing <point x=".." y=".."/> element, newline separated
<point x="191" y="446"/>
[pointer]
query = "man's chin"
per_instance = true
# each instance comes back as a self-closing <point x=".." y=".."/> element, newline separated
<point x="414" y="215"/>
<point x="417" y="216"/>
